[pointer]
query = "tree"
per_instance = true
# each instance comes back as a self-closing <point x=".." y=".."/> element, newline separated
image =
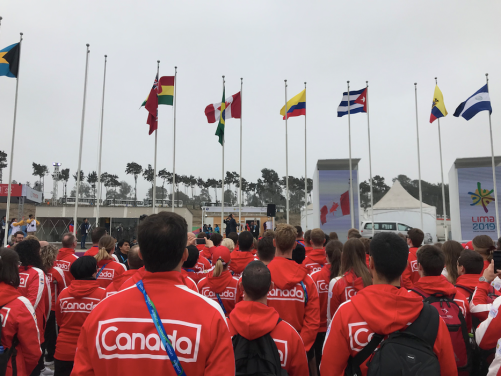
<point x="160" y="191"/>
<point x="149" y="175"/>
<point x="65" y="176"/>
<point x="379" y="189"/>
<point x="213" y="184"/>
<point x="3" y="163"/>
<point x="125" y="190"/>
<point x="135" y="169"/>
<point x="164" y="175"/>
<point x="82" y="176"/>
<point x="92" y="180"/>
<point x="40" y="171"/>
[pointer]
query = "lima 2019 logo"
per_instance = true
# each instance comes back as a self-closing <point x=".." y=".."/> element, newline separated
<point x="481" y="197"/>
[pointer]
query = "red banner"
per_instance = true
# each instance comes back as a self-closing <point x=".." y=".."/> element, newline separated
<point x="16" y="190"/>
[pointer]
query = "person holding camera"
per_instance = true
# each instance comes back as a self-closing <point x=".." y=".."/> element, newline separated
<point x="231" y="224"/>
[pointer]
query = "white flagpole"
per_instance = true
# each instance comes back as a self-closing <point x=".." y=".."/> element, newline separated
<point x="222" y="178"/>
<point x="7" y="213"/>
<point x="174" y="142"/>
<point x="154" y="191"/>
<point x="352" y="210"/>
<point x="240" y="187"/>
<point x="418" y="158"/>
<point x="100" y="147"/>
<point x="493" y="168"/>
<point x="442" y="174"/>
<point x="305" y="170"/>
<point x="286" y="157"/>
<point x="75" y="216"/>
<point x="370" y="157"/>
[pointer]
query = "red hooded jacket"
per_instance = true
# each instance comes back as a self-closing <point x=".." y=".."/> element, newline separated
<point x="381" y="309"/>
<point x="55" y="275"/>
<point x="253" y="320"/>
<point x="315" y="260"/>
<point x="322" y="278"/>
<point x="488" y="335"/>
<point x="481" y="303"/>
<point x="289" y="299"/>
<point x="189" y="282"/>
<point x="307" y="250"/>
<point x="73" y="306"/>
<point x="204" y="252"/>
<point x="410" y="274"/>
<point x="18" y="317"/>
<point x="136" y="277"/>
<point x="239" y="260"/>
<point x="65" y="258"/>
<point x="467" y="283"/>
<point x="118" y="281"/>
<point x="92" y="251"/>
<point x="225" y="285"/>
<point x="342" y="290"/>
<point x="111" y="270"/>
<point x="119" y="337"/>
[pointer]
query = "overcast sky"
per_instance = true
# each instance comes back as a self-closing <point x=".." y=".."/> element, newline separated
<point x="392" y="44"/>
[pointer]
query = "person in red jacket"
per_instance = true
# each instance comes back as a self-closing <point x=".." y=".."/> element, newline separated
<point x="66" y="255"/>
<point x="240" y="258"/>
<point x="252" y="319"/>
<point x="108" y="268"/>
<point x="57" y="282"/>
<point x="73" y="306"/>
<point x="485" y="293"/>
<point x="136" y="277"/>
<point x="307" y="242"/>
<point x="121" y="335"/>
<point x="411" y="275"/>
<point x="33" y="285"/>
<point x="367" y="244"/>
<point x="220" y="285"/>
<point x="484" y="246"/>
<point x="322" y="277"/>
<point x="134" y="262"/>
<point x="95" y="235"/>
<point x="355" y="276"/>
<point x="469" y="265"/>
<point x="294" y="295"/>
<point x="190" y="266"/>
<point x="382" y="308"/>
<point x="315" y="260"/>
<point x="17" y="317"/>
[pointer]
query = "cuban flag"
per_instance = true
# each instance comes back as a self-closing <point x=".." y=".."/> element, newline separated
<point x="480" y="101"/>
<point x="358" y="103"/>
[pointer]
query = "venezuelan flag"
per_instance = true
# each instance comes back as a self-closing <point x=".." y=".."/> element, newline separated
<point x="9" y="60"/>
<point x="438" y="107"/>
<point x="296" y="106"/>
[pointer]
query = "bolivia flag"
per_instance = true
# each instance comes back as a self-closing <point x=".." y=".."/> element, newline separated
<point x="438" y="107"/>
<point x="165" y="91"/>
<point x="296" y="106"/>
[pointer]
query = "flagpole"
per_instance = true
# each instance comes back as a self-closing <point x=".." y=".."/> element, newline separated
<point x="12" y="145"/>
<point x="154" y="191"/>
<point x="100" y="146"/>
<point x="75" y="216"/>
<point x="442" y="174"/>
<point x="305" y="168"/>
<point x="370" y="157"/>
<point x="493" y="167"/>
<point x="174" y="142"/>
<point x="418" y="159"/>
<point x="240" y="188"/>
<point x="352" y="210"/>
<point x="286" y="157"/>
<point x="222" y="178"/>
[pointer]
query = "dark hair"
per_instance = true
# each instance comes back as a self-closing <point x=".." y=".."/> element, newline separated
<point x="431" y="259"/>
<point x="245" y="241"/>
<point x="83" y="267"/>
<point x="299" y="253"/>
<point x="9" y="267"/>
<point x="265" y="249"/>
<point x="317" y="237"/>
<point x="202" y="235"/>
<point x="326" y="240"/>
<point x="29" y="253"/>
<point x="193" y="255"/>
<point x="121" y="243"/>
<point x="31" y="215"/>
<point x="68" y="240"/>
<point x="233" y="236"/>
<point x="216" y="239"/>
<point x="389" y="253"/>
<point x="367" y="244"/>
<point x="97" y="234"/>
<point x="484" y="245"/>
<point x="416" y="236"/>
<point x="333" y="251"/>
<point x="162" y="240"/>
<point x="353" y="233"/>
<point x="85" y="219"/>
<point x="452" y="250"/>
<point x="353" y="258"/>
<point x="472" y="261"/>
<point x="18" y="233"/>
<point x="299" y="230"/>
<point x="133" y="258"/>
<point x="307" y="236"/>
<point x="498" y="245"/>
<point x="256" y="280"/>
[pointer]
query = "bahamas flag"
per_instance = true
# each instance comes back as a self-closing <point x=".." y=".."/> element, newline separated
<point x="296" y="106"/>
<point x="438" y="107"/>
<point x="220" y="125"/>
<point x="9" y="60"/>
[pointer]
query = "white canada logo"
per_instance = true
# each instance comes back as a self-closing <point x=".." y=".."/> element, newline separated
<point x="4" y="315"/>
<point x="23" y="279"/>
<point x="107" y="274"/>
<point x="64" y="265"/>
<point x="349" y="292"/>
<point x="228" y="294"/>
<point x="295" y="293"/>
<point x="414" y="267"/>
<point x="359" y="335"/>
<point x="282" y="351"/>
<point x="322" y="286"/>
<point x="83" y="305"/>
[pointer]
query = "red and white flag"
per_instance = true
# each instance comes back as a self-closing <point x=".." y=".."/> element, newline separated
<point x="233" y="109"/>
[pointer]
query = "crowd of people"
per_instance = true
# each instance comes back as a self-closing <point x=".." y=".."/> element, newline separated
<point x="284" y="303"/>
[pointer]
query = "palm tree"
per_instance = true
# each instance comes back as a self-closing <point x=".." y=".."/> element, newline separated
<point x="3" y="163"/>
<point x="149" y="175"/>
<point x="164" y="175"/>
<point x="40" y="171"/>
<point x="135" y="169"/>
<point x="82" y="179"/>
<point x="65" y="176"/>
<point x="92" y="180"/>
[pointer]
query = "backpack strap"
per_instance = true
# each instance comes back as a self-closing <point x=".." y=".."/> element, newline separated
<point x="419" y="293"/>
<point x="426" y="325"/>
<point x="470" y="291"/>
<point x="355" y="362"/>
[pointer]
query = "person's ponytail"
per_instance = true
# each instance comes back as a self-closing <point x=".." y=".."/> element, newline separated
<point x="218" y="269"/>
<point x="106" y="245"/>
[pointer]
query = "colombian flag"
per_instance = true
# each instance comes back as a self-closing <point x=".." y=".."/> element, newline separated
<point x="220" y="125"/>
<point x="438" y="107"/>
<point x="296" y="106"/>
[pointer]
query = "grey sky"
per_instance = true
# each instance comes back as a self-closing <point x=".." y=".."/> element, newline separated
<point x="390" y="43"/>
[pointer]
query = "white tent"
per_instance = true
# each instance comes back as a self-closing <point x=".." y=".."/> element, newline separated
<point x="398" y="205"/>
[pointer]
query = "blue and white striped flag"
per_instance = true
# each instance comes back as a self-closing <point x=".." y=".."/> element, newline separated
<point x="358" y="103"/>
<point x="480" y="101"/>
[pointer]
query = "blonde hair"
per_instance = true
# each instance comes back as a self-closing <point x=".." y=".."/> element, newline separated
<point x="31" y="237"/>
<point x="285" y="237"/>
<point x="106" y="245"/>
<point x="48" y="254"/>
<point x="218" y="268"/>
<point x="228" y="243"/>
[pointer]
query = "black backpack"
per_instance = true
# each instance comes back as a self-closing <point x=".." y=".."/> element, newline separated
<point x="408" y="352"/>
<point x="7" y="354"/>
<point x="258" y="357"/>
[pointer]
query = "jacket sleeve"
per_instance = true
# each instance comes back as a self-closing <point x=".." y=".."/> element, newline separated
<point x="311" y="321"/>
<point x="29" y="342"/>
<point x="221" y="348"/>
<point x="298" y="365"/>
<point x="333" y="301"/>
<point x="487" y="333"/>
<point x="444" y="351"/>
<point x="82" y="365"/>
<point x="406" y="277"/>
<point x="239" y="294"/>
<point x="480" y="303"/>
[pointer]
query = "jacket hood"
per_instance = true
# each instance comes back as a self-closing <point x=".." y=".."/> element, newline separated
<point x="219" y="284"/>
<point x="353" y="280"/>
<point x="205" y="252"/>
<point x="308" y="250"/>
<point x="468" y="280"/>
<point x="239" y="260"/>
<point x="81" y="288"/>
<point x="253" y="320"/>
<point x="318" y="256"/>
<point x="8" y="293"/>
<point x="433" y="285"/>
<point x="286" y="273"/>
<point x="387" y="308"/>
<point x="67" y="250"/>
<point x="119" y="280"/>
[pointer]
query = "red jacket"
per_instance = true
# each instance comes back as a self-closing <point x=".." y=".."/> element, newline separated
<point x="119" y="337"/>
<point x="111" y="270"/>
<point x="481" y="303"/>
<point x="288" y="298"/>
<point x="114" y="286"/>
<point x="18" y="317"/>
<point x="342" y="290"/>
<point x="34" y="286"/>
<point x="134" y="279"/>
<point x="92" y="251"/>
<point x="322" y="278"/>
<point x="204" y="252"/>
<point x="488" y="334"/>
<point x="307" y="250"/>
<point x="410" y="274"/>
<point x="381" y="309"/>
<point x="239" y="260"/>
<point x="56" y="280"/>
<point x="315" y="260"/>
<point x="73" y="306"/>
<point x="367" y="258"/>
<point x="189" y="282"/>
<point x="467" y="283"/>
<point x="225" y="285"/>
<point x="65" y="258"/>
<point x="253" y="320"/>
